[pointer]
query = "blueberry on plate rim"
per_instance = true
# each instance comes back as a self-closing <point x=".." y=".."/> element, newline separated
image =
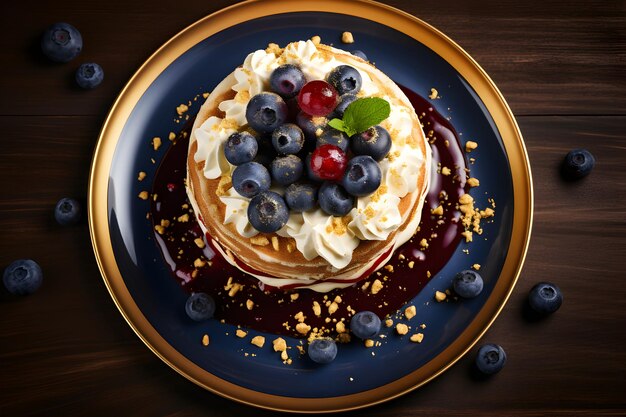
<point x="322" y="350"/>
<point x="67" y="211"/>
<point x="61" y="42"/>
<point x="490" y="359"/>
<point x="365" y="325"/>
<point x="545" y="298"/>
<point x="467" y="284"/>
<point x="89" y="75"/>
<point x="200" y="306"/>
<point x="22" y="277"/>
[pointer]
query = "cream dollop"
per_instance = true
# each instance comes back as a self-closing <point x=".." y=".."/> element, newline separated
<point x="375" y="219"/>
<point x="236" y="209"/>
<point x="211" y="136"/>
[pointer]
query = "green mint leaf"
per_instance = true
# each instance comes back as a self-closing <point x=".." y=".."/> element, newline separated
<point x="364" y="113"/>
<point x="342" y="126"/>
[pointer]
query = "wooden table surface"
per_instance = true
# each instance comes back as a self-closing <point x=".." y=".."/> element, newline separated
<point x="561" y="65"/>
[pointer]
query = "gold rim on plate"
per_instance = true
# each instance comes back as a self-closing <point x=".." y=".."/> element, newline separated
<point x="386" y="15"/>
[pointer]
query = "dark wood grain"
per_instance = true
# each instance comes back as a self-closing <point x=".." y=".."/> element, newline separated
<point x="561" y="65"/>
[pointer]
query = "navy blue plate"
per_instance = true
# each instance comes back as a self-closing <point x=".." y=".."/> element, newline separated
<point x="153" y="302"/>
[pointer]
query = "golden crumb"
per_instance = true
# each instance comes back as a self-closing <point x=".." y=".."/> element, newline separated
<point x="241" y="333"/>
<point x="249" y="304"/>
<point x="340" y="327"/>
<point x="410" y="312"/>
<point x="316" y="40"/>
<point x="275" y="244"/>
<point x="279" y="344"/>
<point x="273" y="48"/>
<point x="468" y="235"/>
<point x="346" y="37"/>
<point x="317" y="309"/>
<point x="143" y="195"/>
<point x="402" y="328"/>
<point x="141" y="175"/>
<point x="411" y="264"/>
<point x="199" y="263"/>
<point x="423" y="244"/>
<point x="440" y="296"/>
<point x="466" y="199"/>
<point x="470" y="145"/>
<point x="389" y="267"/>
<point x="283" y="355"/>
<point x="486" y="213"/>
<point x="388" y="322"/>
<point x="182" y="109"/>
<point x="205" y="340"/>
<point x="300" y="316"/>
<point x="476" y="267"/>
<point x="369" y="343"/>
<point x="437" y="211"/>
<point x="160" y="229"/>
<point x="333" y="307"/>
<point x="184" y="218"/>
<point x="290" y="247"/>
<point x="294" y="296"/>
<point x="234" y="289"/>
<point x="401" y="257"/>
<point x="433" y="94"/>
<point x="445" y="171"/>
<point x="473" y="182"/>
<point x="417" y="338"/>
<point x="259" y="240"/>
<point x="303" y="328"/>
<point x="199" y="242"/>
<point x="205" y="95"/>
<point x="376" y="286"/>
<point x="338" y="299"/>
<point x="171" y="136"/>
<point x="258" y="341"/>
<point x="156" y="143"/>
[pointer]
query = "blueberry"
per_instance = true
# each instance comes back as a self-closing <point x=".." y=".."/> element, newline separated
<point x="342" y="105"/>
<point x="545" y="298"/>
<point x="334" y="200"/>
<point x="335" y="137"/>
<point x="360" y="54"/>
<point x="22" y="277"/>
<point x="287" y="80"/>
<point x="67" y="211"/>
<point x="286" y="169"/>
<point x="267" y="212"/>
<point x="374" y="142"/>
<point x="365" y="325"/>
<point x="301" y="197"/>
<point x="490" y="359"/>
<point x="362" y="177"/>
<point x="240" y="147"/>
<point x="266" y="111"/>
<point x="323" y="350"/>
<point x="288" y="139"/>
<point x="61" y="42"/>
<point x="578" y="163"/>
<point x="345" y="79"/>
<point x="200" y="306"/>
<point x="468" y="284"/>
<point x="89" y="75"/>
<point x="310" y="125"/>
<point x="266" y="153"/>
<point x="251" y="178"/>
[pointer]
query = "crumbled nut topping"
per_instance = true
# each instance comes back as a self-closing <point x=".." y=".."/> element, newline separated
<point x="476" y="267"/>
<point x="411" y="264"/>
<point x="205" y="340"/>
<point x="377" y="285"/>
<point x="171" y="136"/>
<point x="402" y="328"/>
<point x="249" y="304"/>
<point x="275" y="244"/>
<point x="417" y="338"/>
<point x="156" y="143"/>
<point x="340" y="327"/>
<point x="199" y="242"/>
<point x="182" y="109"/>
<point x="259" y="240"/>
<point x="433" y="94"/>
<point x="445" y="171"/>
<point x="317" y="309"/>
<point x="258" y="341"/>
<point x="279" y="344"/>
<point x="143" y="195"/>
<point x="316" y="40"/>
<point x="437" y="211"/>
<point x="346" y="37"/>
<point x="424" y="244"/>
<point x="369" y="343"/>
<point x="440" y="296"/>
<point x="199" y="263"/>
<point x="470" y="146"/>
<point x="303" y="328"/>
<point x="141" y="175"/>
<point x="388" y="322"/>
<point x="184" y="218"/>
<point x="473" y="182"/>
<point x="410" y="312"/>
<point x="240" y="333"/>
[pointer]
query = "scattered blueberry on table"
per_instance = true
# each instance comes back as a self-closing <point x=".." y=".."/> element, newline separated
<point x="323" y="350"/>
<point x="22" y="277"/>
<point x="200" y="306"/>
<point x="61" y="42"/>
<point x="578" y="163"/>
<point x="89" y="75"/>
<point x="467" y="284"/>
<point x="365" y="325"/>
<point x="490" y="359"/>
<point x="545" y="298"/>
<point x="67" y="211"/>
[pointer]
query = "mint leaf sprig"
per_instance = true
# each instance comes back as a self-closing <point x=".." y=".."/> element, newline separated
<point x="362" y="114"/>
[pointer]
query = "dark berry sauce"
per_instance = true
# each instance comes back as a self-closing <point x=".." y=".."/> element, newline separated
<point x="263" y="309"/>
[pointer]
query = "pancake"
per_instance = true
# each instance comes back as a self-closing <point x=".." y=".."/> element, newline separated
<point x="314" y="250"/>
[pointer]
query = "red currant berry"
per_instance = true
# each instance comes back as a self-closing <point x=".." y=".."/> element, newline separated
<point x="328" y="162"/>
<point x="317" y="98"/>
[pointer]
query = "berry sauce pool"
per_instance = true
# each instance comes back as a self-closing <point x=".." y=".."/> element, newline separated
<point x="263" y="309"/>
